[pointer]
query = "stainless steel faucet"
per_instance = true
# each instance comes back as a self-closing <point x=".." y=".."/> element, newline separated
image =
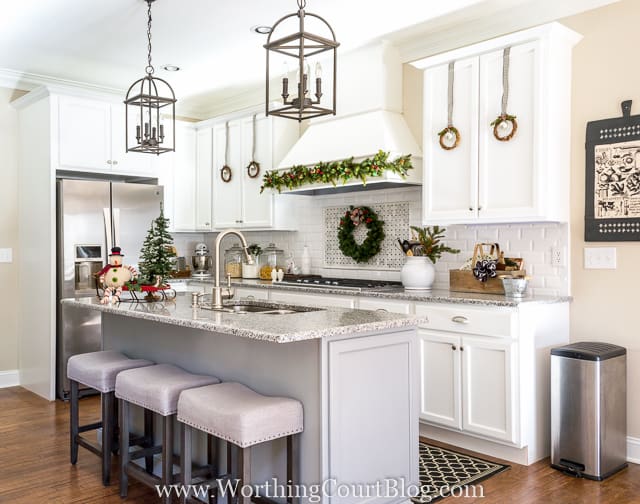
<point x="217" y="290"/>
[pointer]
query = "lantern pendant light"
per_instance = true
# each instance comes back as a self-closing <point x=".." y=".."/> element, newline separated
<point x="145" y="101"/>
<point x="302" y="46"/>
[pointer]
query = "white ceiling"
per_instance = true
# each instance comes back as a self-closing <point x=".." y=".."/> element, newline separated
<point x="104" y="42"/>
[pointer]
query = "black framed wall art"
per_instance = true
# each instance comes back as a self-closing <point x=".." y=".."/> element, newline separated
<point x="612" y="202"/>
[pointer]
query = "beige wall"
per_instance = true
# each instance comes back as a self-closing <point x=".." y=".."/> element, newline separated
<point x="605" y="72"/>
<point x="8" y="229"/>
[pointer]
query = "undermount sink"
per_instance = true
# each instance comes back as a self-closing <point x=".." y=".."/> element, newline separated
<point x="242" y="308"/>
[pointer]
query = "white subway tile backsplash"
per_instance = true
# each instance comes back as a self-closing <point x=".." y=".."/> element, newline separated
<point x="533" y="242"/>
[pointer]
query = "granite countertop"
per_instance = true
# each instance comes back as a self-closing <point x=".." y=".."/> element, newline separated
<point x="288" y="328"/>
<point x="399" y="293"/>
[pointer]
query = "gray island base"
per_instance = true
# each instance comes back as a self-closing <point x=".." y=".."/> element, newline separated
<point x="355" y="372"/>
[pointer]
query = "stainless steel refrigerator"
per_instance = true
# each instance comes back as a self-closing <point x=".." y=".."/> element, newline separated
<point x="92" y="217"/>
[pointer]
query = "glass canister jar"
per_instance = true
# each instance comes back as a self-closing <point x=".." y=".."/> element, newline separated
<point x="233" y="261"/>
<point x="252" y="270"/>
<point x="272" y="257"/>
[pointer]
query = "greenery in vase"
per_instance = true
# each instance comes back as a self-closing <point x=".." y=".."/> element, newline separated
<point x="254" y="249"/>
<point x="156" y="252"/>
<point x="430" y="239"/>
<point x="336" y="171"/>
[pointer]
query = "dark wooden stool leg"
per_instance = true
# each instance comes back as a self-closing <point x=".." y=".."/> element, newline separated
<point x="212" y="460"/>
<point x="74" y="419"/>
<point x="124" y="446"/>
<point x="167" y="455"/>
<point x="115" y="442"/>
<point x="107" y="400"/>
<point x="185" y="460"/>
<point x="293" y="467"/>
<point x="230" y="470"/>
<point x="244" y="470"/>
<point x="148" y="439"/>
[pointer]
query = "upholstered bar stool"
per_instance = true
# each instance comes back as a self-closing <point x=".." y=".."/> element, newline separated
<point x="155" y="389"/>
<point x="244" y="418"/>
<point x="97" y="370"/>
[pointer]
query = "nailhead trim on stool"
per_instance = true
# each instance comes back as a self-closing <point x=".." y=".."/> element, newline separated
<point x="156" y="388"/>
<point x="97" y="370"/>
<point x="243" y="418"/>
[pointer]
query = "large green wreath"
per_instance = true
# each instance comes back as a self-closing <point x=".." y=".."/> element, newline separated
<point x="353" y="218"/>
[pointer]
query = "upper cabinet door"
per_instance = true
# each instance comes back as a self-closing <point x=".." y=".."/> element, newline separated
<point x="204" y="167"/>
<point x="450" y="176"/>
<point x="184" y="179"/>
<point x="84" y="128"/>
<point x="127" y="163"/>
<point x="508" y="171"/>
<point x="227" y="201"/>
<point x="257" y="209"/>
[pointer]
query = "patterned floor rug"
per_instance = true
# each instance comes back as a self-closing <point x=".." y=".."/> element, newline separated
<point x="445" y="472"/>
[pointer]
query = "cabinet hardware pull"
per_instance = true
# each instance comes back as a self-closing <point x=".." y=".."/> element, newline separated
<point x="454" y="348"/>
<point x="459" y="319"/>
<point x="207" y="224"/>
<point x="115" y="162"/>
<point x="109" y="161"/>
<point x="382" y="310"/>
<point x="471" y="209"/>
<point x="251" y="296"/>
<point x="462" y="349"/>
<point x="479" y="209"/>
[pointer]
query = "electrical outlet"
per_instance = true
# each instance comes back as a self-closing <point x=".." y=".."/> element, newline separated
<point x="6" y="255"/>
<point x="558" y="257"/>
<point x="600" y="258"/>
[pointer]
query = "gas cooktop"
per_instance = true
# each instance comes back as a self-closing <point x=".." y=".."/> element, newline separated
<point x="354" y="284"/>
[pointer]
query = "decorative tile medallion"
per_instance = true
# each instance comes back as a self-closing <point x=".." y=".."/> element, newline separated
<point x="396" y="225"/>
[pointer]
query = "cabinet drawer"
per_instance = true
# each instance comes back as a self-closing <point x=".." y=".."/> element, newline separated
<point x="384" y="305"/>
<point x="470" y="320"/>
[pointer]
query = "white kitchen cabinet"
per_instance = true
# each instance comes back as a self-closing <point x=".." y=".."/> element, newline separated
<point x="204" y="170"/>
<point x="239" y="203"/>
<point x="178" y="176"/>
<point x="440" y="378"/>
<point x="489" y="381"/>
<point x="91" y="138"/>
<point x="469" y="384"/>
<point x="484" y="180"/>
<point x="385" y="305"/>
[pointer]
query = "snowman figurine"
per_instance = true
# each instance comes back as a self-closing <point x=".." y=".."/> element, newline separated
<point x="114" y="276"/>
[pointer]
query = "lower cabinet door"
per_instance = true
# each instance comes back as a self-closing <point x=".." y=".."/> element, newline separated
<point x="440" y="378"/>
<point x="488" y="388"/>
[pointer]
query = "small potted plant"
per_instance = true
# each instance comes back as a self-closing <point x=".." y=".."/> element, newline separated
<point x="252" y="270"/>
<point x="418" y="272"/>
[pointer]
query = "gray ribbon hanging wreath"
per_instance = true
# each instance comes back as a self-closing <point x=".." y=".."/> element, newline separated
<point x="485" y="269"/>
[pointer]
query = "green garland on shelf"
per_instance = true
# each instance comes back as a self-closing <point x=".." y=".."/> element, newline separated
<point x="353" y="218"/>
<point x="336" y="171"/>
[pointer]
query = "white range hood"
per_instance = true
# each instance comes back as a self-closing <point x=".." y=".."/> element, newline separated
<point x="369" y="120"/>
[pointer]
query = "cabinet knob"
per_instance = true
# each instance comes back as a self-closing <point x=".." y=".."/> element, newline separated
<point x="461" y="348"/>
<point x="459" y="319"/>
<point x="471" y="209"/>
<point x="454" y="348"/>
<point x="109" y="161"/>
<point x="115" y="162"/>
<point x="207" y="223"/>
<point x="479" y="208"/>
<point x="239" y="222"/>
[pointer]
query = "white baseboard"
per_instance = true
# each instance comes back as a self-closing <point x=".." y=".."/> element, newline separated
<point x="633" y="450"/>
<point x="9" y="378"/>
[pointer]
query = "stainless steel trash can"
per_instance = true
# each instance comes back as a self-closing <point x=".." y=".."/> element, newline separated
<point x="589" y="409"/>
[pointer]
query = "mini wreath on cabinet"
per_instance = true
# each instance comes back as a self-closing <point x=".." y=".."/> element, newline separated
<point x="253" y="169"/>
<point x="353" y="218"/>
<point x="226" y="174"/>
<point x="504" y="127"/>
<point x="449" y="137"/>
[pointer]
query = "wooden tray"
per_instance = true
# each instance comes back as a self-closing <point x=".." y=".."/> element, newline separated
<point x="464" y="281"/>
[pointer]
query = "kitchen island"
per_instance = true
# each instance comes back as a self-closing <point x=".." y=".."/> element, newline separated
<point x="355" y="372"/>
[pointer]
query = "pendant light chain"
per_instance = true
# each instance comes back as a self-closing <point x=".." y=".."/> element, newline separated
<point x="149" y="68"/>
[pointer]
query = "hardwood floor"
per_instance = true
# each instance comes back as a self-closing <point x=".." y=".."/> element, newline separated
<point x="34" y="466"/>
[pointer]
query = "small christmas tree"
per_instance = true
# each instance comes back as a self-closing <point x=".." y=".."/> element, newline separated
<point x="156" y="253"/>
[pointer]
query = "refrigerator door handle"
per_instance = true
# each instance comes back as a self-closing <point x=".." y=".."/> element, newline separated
<point x="108" y="229"/>
<point x="115" y="212"/>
